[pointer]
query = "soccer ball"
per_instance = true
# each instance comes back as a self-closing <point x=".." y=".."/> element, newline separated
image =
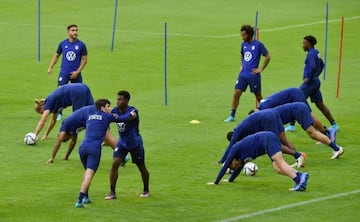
<point x="250" y="169"/>
<point x="30" y="139"/>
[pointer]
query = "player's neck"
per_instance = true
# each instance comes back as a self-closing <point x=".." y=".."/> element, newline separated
<point x="72" y="40"/>
<point x="123" y="109"/>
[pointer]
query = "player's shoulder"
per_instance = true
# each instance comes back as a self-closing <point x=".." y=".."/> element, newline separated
<point x="131" y="108"/>
<point x="80" y="42"/>
<point x="65" y="41"/>
<point x="115" y="110"/>
<point x="313" y="52"/>
<point x="266" y="111"/>
<point x="264" y="135"/>
<point x="257" y="42"/>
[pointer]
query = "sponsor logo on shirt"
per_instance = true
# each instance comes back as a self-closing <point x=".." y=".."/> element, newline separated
<point x="70" y="56"/>
<point x="121" y="127"/>
<point x="247" y="56"/>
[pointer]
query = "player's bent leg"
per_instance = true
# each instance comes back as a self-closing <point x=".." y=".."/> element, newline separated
<point x="318" y="124"/>
<point x="316" y="135"/>
<point x="282" y="167"/>
<point x="326" y="112"/>
<point x="88" y="175"/>
<point x="110" y="139"/>
<point x="277" y="169"/>
<point x="285" y="141"/>
<point x="114" y="169"/>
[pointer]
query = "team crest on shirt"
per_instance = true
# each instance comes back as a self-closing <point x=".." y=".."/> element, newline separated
<point x="70" y="56"/>
<point x="76" y="47"/>
<point x="253" y="47"/>
<point x="66" y="47"/>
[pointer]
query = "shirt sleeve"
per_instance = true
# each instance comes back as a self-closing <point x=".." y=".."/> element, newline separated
<point x="263" y="49"/>
<point x="59" y="49"/>
<point x="310" y="65"/>
<point x="84" y="50"/>
<point x="226" y="164"/>
<point x="235" y="174"/>
<point x="121" y="118"/>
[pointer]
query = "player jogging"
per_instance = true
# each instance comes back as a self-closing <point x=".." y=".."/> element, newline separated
<point x="311" y="83"/>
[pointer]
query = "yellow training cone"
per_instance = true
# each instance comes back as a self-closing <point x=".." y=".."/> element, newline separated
<point x="194" y="121"/>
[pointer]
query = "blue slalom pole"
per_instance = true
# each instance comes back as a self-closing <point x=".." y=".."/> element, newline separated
<point x="39" y="31"/>
<point x="326" y="37"/>
<point x="256" y="24"/>
<point x="114" y="26"/>
<point x="165" y="64"/>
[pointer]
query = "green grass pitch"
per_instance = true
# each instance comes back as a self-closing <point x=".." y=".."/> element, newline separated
<point x="203" y="63"/>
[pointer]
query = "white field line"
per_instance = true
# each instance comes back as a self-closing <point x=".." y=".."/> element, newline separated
<point x="189" y="35"/>
<point x="287" y="206"/>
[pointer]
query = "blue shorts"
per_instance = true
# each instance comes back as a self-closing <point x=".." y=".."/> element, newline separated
<point x="254" y="82"/>
<point x="312" y="90"/>
<point x="304" y="118"/>
<point x="90" y="157"/>
<point x="272" y="122"/>
<point x="273" y="144"/>
<point x="64" y="79"/>
<point x="273" y="148"/>
<point x="137" y="153"/>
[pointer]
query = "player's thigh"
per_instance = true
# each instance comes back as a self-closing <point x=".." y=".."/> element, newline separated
<point x="138" y="154"/>
<point x="63" y="79"/>
<point x="241" y="83"/>
<point x="316" y="97"/>
<point x="91" y="157"/>
<point x="78" y="79"/>
<point x="94" y="158"/>
<point x="120" y="152"/>
<point x="255" y="84"/>
<point x="304" y="118"/>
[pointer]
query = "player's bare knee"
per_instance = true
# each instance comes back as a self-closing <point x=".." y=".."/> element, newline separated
<point x="116" y="163"/>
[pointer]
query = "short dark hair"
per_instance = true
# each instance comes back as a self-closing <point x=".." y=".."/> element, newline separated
<point x="229" y="135"/>
<point x="125" y="94"/>
<point x="101" y="103"/>
<point x="248" y="29"/>
<point x="311" y="39"/>
<point x="70" y="26"/>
